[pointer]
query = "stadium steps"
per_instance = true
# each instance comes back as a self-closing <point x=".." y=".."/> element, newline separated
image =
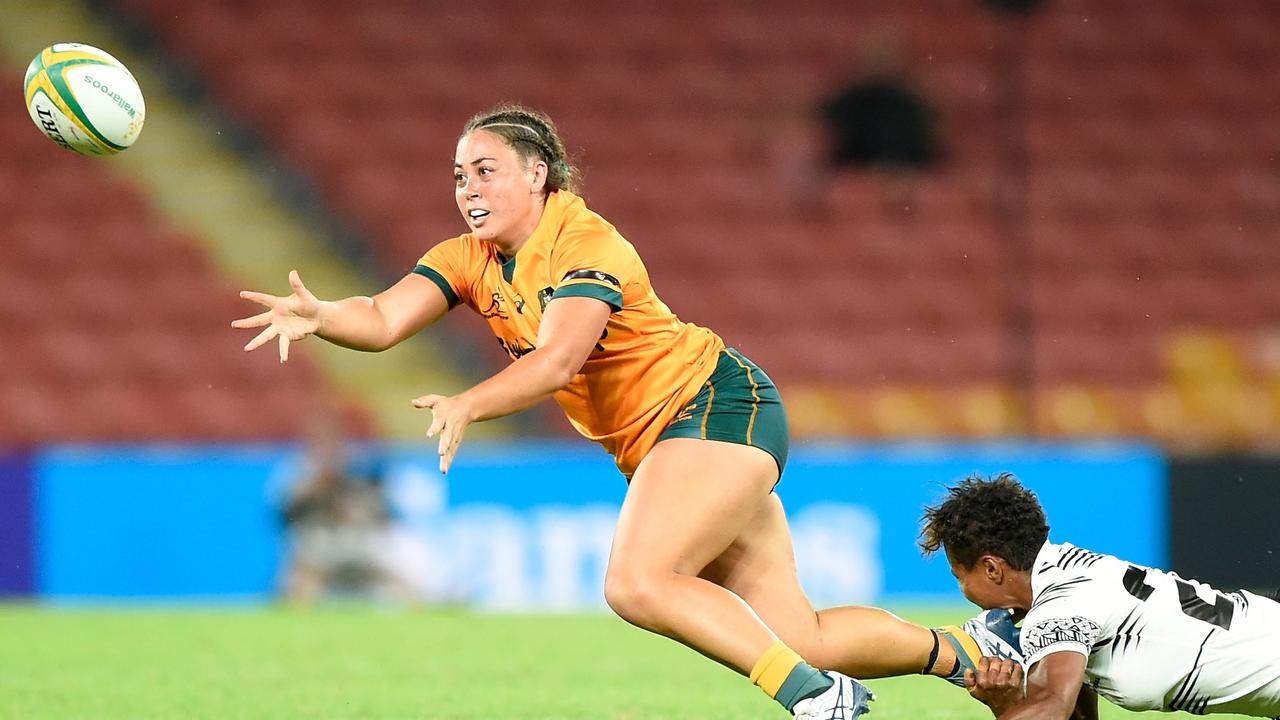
<point x="1153" y="203"/>
<point x="194" y="183"/>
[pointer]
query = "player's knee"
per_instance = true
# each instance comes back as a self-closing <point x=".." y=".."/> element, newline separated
<point x="634" y="594"/>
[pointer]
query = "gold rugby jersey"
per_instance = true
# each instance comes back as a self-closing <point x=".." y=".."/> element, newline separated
<point x="646" y="366"/>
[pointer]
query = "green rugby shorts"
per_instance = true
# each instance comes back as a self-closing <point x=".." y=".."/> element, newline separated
<point x="737" y="404"/>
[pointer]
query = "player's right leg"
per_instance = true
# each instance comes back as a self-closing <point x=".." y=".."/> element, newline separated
<point x="687" y="502"/>
<point x="865" y="642"/>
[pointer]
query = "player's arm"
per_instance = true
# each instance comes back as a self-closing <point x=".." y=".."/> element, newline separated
<point x="1086" y="705"/>
<point x="373" y="324"/>
<point x="360" y="323"/>
<point x="570" y="329"/>
<point x="1054" y="685"/>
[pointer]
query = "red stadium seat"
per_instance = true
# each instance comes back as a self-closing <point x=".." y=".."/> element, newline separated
<point x="1151" y="202"/>
<point x="104" y="310"/>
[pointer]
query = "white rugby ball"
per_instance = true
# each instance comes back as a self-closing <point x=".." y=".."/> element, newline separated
<point x="84" y="99"/>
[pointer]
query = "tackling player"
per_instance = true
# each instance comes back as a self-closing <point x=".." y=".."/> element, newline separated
<point x="1142" y="638"/>
<point x="702" y="553"/>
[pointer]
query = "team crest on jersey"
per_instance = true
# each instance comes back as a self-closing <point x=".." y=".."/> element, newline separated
<point x="495" y="309"/>
<point x="1075" y="629"/>
<point x="514" y="349"/>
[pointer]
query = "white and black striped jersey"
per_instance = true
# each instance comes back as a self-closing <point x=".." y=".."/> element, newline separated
<point x="1154" y="641"/>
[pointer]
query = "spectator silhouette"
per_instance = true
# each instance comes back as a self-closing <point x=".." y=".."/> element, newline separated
<point x="338" y="523"/>
<point x="878" y="119"/>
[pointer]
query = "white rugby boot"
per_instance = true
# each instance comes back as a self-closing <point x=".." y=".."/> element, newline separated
<point x="847" y="699"/>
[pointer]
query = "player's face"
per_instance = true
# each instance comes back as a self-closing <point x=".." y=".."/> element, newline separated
<point x="977" y="586"/>
<point x="499" y="195"/>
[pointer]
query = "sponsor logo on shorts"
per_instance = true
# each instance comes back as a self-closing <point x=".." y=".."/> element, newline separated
<point x="686" y="413"/>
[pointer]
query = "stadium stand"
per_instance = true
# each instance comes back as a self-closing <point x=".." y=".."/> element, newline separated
<point x="1153" y="200"/>
<point x="115" y="327"/>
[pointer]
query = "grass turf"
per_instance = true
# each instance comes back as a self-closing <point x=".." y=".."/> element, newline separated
<point x="368" y="663"/>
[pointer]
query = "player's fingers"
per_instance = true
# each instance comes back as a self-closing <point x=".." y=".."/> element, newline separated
<point x="1003" y="672"/>
<point x="994" y="675"/>
<point x="427" y="401"/>
<point x="284" y="348"/>
<point x="260" y="298"/>
<point x="267" y="333"/>
<point x="258" y="320"/>
<point x="449" y="440"/>
<point x="437" y="424"/>
<point x="970" y="680"/>
<point x="295" y="282"/>
<point x="987" y="674"/>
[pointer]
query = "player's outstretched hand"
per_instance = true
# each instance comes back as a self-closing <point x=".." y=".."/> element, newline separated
<point x="450" y="417"/>
<point x="286" y="318"/>
<point x="997" y="683"/>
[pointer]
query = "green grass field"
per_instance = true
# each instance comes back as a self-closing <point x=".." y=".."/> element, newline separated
<point x="275" y="664"/>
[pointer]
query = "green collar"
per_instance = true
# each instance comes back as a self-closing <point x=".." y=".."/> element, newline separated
<point x="508" y="266"/>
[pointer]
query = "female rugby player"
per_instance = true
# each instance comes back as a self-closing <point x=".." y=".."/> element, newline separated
<point x="702" y="552"/>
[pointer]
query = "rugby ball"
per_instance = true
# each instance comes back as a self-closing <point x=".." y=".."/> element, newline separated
<point x="84" y="99"/>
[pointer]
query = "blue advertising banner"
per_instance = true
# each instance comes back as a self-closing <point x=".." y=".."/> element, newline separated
<point x="1109" y="498"/>
<point x="160" y="522"/>
<point x="16" y="563"/>
<point x="527" y="526"/>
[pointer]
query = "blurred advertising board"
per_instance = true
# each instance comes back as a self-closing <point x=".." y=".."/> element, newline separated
<point x="1222" y="517"/>
<point x="527" y="526"/>
<point x="16" y="546"/>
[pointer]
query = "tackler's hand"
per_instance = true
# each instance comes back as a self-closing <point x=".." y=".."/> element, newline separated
<point x="998" y="683"/>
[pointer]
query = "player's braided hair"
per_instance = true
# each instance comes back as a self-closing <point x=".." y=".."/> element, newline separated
<point x="986" y="515"/>
<point x="531" y="134"/>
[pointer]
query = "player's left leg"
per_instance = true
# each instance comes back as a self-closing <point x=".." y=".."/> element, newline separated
<point x="741" y="405"/>
<point x="866" y="642"/>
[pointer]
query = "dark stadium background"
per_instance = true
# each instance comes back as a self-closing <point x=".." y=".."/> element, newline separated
<point x="1094" y="258"/>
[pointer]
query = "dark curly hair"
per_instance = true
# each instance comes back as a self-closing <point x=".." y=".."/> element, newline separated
<point x="532" y="135"/>
<point x="984" y="515"/>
